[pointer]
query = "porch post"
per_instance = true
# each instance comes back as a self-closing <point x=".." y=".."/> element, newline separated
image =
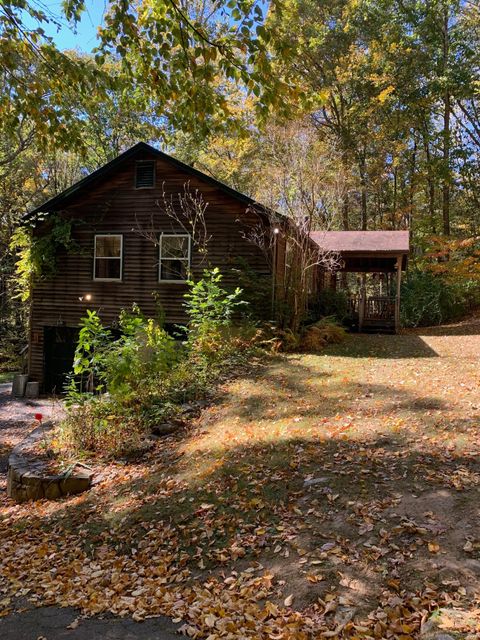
<point x="361" y="302"/>
<point x="397" y="297"/>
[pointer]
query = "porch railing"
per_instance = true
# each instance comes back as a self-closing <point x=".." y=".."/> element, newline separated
<point x="379" y="308"/>
<point x="373" y="309"/>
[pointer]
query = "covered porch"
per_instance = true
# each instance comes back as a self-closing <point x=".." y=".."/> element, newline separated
<point x="369" y="270"/>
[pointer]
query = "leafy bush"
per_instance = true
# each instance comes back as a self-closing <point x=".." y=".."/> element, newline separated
<point x="211" y="309"/>
<point x="119" y="366"/>
<point x="89" y="368"/>
<point x="312" y="338"/>
<point x="330" y="303"/>
<point x="99" y="426"/>
<point x="144" y="350"/>
<point x="429" y="299"/>
<point x="318" y="335"/>
<point x="256" y="290"/>
<point x="146" y="373"/>
<point x="208" y="303"/>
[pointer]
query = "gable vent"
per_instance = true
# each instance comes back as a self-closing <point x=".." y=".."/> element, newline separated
<point x="144" y="175"/>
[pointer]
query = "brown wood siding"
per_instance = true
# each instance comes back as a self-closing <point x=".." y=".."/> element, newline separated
<point x="115" y="206"/>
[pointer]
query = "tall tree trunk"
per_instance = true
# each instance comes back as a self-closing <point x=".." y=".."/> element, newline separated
<point x="447" y="108"/>
<point x="430" y="187"/>
<point x="394" y="203"/>
<point x="446" y="160"/>
<point x="345" y="213"/>
<point x="345" y="199"/>
<point x="412" y="183"/>
<point x="363" y="188"/>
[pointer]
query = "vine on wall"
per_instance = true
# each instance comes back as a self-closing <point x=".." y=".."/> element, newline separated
<point x="37" y="254"/>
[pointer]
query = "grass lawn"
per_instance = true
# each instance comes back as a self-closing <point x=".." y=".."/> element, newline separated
<point x="331" y="495"/>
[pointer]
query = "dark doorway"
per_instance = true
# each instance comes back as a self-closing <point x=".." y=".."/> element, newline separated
<point x="59" y="351"/>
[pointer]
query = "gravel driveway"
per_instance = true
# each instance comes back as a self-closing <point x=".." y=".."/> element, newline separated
<point x="17" y="420"/>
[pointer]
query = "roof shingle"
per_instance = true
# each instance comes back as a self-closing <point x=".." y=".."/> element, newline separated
<point x="360" y="241"/>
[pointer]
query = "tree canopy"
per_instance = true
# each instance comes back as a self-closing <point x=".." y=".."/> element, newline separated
<point x="388" y="91"/>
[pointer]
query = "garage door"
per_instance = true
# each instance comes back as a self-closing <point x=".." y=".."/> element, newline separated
<point x="59" y="350"/>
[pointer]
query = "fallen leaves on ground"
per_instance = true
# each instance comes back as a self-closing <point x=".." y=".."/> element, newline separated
<point x="327" y="496"/>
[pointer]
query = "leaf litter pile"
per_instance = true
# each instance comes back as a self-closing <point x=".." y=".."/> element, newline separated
<point x="322" y="496"/>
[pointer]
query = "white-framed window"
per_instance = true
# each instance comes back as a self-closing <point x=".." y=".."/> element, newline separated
<point x="174" y="257"/>
<point x="108" y="256"/>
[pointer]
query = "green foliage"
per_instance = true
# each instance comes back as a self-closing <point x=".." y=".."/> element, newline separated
<point x="37" y="254"/>
<point x="208" y="304"/>
<point x="146" y="373"/>
<point x="89" y="364"/>
<point x="121" y="365"/>
<point x="184" y="59"/>
<point x="174" y="59"/>
<point x="41" y="84"/>
<point x="256" y="290"/>
<point x="211" y="309"/>
<point x="330" y="303"/>
<point x="143" y="351"/>
<point x="429" y="299"/>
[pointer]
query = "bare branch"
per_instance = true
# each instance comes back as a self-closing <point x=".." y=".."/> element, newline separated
<point x="187" y="211"/>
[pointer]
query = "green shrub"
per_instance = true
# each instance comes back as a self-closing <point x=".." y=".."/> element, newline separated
<point x="210" y="309"/>
<point x="144" y="350"/>
<point x="208" y="304"/>
<point x="120" y="365"/>
<point x="256" y="291"/>
<point x="89" y="367"/>
<point x="146" y="373"/>
<point x="329" y="303"/>
<point x="103" y="426"/>
<point x="429" y="299"/>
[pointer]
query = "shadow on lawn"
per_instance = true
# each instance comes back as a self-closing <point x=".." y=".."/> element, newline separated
<point x="261" y="498"/>
<point x="358" y="514"/>
<point x="296" y="389"/>
<point x="383" y="346"/>
<point x="467" y="328"/>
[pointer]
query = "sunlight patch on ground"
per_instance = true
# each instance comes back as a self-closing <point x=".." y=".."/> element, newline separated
<point x="326" y="488"/>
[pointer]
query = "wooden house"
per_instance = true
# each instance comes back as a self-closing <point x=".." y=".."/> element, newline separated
<point x="135" y="242"/>
<point x="130" y="250"/>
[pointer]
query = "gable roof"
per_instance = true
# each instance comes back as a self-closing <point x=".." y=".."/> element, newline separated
<point x="363" y="241"/>
<point x="62" y="199"/>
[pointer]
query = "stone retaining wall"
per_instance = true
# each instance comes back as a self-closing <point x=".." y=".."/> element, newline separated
<point x="28" y="479"/>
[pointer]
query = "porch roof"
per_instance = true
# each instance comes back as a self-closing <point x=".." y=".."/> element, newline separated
<point x="363" y="242"/>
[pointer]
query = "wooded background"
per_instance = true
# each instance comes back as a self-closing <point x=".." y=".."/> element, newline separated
<point x="367" y="111"/>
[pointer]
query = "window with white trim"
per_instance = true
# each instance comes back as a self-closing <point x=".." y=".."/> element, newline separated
<point x="174" y="258"/>
<point x="108" y="256"/>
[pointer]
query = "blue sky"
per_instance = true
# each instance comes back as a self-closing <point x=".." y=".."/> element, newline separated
<point x="66" y="38"/>
<point x="84" y="38"/>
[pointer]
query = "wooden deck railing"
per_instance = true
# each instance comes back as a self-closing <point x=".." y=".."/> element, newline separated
<point x="373" y="310"/>
<point x="380" y="308"/>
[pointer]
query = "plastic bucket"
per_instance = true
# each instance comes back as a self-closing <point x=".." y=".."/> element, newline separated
<point x="19" y="385"/>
